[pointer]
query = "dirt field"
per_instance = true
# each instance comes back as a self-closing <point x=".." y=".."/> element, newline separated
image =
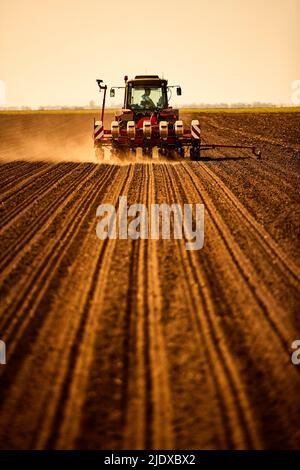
<point x="143" y="344"/>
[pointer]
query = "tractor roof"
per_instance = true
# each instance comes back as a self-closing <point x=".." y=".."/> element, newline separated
<point x="137" y="77"/>
<point x="141" y="80"/>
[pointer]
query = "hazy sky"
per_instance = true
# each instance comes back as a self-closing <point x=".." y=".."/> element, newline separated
<point x="52" y="51"/>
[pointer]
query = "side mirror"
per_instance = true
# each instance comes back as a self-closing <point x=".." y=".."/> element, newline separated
<point x="112" y="93"/>
<point x="178" y="90"/>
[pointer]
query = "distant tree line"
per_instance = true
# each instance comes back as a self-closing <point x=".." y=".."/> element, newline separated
<point x="93" y="105"/>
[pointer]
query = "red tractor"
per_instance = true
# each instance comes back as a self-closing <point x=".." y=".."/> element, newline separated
<point x="148" y="125"/>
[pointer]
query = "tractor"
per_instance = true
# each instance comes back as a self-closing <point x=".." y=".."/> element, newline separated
<point x="148" y="125"/>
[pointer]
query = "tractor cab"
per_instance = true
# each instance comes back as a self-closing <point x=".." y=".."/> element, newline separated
<point x="146" y="93"/>
<point x="146" y="97"/>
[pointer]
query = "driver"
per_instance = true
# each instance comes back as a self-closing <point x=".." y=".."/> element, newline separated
<point x="146" y="100"/>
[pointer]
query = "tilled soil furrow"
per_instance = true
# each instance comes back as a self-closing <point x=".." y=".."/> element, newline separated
<point x="55" y="175"/>
<point x="30" y="183"/>
<point x="10" y="169"/>
<point x="281" y="274"/>
<point x="149" y="391"/>
<point x="39" y="325"/>
<point x="238" y="413"/>
<point x="22" y="178"/>
<point x="64" y="428"/>
<point x="22" y="271"/>
<point x="202" y="358"/>
<point x="162" y="408"/>
<point x="249" y="135"/>
<point x="274" y="314"/>
<point x="139" y="404"/>
<point x="274" y="170"/>
<point x="38" y="224"/>
<point x="26" y="302"/>
<point x="266" y="320"/>
<point x="287" y="267"/>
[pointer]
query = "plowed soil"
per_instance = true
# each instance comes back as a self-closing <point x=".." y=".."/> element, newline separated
<point x="128" y="344"/>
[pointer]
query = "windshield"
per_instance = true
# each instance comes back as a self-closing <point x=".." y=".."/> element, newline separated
<point x="146" y="98"/>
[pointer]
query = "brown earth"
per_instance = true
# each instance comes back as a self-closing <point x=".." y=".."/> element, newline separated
<point x="143" y="344"/>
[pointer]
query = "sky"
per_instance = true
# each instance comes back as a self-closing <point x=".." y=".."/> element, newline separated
<point x="52" y="51"/>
